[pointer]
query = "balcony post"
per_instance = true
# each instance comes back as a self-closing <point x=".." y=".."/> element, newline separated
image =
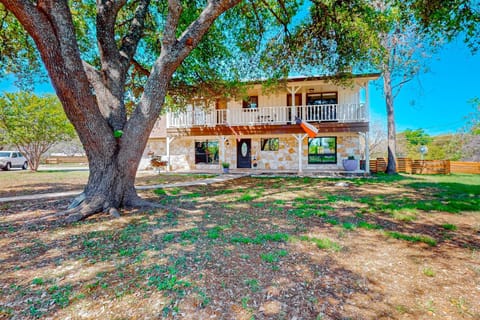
<point x="293" y="91"/>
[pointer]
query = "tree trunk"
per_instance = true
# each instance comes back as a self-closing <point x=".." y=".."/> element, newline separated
<point x="111" y="183"/>
<point x="392" y="157"/>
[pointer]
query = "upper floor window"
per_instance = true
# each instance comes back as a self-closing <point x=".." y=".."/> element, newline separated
<point x="250" y="103"/>
<point x="322" y="98"/>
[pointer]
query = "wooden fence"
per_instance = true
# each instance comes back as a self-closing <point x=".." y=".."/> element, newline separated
<point x="406" y="165"/>
<point x="464" y="167"/>
<point x="62" y="159"/>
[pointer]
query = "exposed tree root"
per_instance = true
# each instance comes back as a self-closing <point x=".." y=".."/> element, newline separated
<point x="137" y="202"/>
<point x="87" y="208"/>
<point x="83" y="207"/>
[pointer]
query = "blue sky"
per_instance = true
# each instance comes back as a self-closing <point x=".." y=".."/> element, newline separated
<point x="437" y="101"/>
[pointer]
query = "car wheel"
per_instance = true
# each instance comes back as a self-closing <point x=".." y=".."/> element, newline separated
<point x="25" y="166"/>
<point x="8" y="166"/>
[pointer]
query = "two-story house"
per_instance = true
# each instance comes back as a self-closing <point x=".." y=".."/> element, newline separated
<point x="262" y="132"/>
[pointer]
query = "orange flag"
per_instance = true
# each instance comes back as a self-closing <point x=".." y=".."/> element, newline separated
<point x="309" y="129"/>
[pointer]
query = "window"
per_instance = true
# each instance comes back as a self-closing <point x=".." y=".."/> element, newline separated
<point x="315" y="99"/>
<point x="322" y="150"/>
<point x="269" y="144"/>
<point x="206" y="152"/>
<point x="250" y="103"/>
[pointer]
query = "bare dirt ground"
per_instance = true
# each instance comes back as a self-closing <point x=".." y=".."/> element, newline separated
<point x="15" y="183"/>
<point x="254" y="248"/>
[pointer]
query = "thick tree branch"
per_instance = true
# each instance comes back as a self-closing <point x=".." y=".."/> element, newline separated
<point x="171" y="24"/>
<point x="131" y="40"/>
<point x="106" y="16"/>
<point x="283" y="22"/>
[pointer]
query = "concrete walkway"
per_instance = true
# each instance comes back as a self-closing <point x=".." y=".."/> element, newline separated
<point x="202" y="182"/>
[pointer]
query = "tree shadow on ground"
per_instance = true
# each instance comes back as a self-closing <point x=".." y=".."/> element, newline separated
<point x="189" y="259"/>
<point x="235" y="250"/>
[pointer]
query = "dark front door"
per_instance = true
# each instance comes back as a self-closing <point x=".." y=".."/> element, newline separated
<point x="244" y="158"/>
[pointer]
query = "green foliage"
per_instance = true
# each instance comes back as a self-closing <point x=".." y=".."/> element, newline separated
<point x="412" y="238"/>
<point x="415" y="139"/>
<point x="449" y="226"/>
<point x="18" y="54"/>
<point x="322" y="243"/>
<point x="253" y="284"/>
<point x="33" y="123"/>
<point x="449" y="19"/>
<point x="429" y="272"/>
<point x="260" y="238"/>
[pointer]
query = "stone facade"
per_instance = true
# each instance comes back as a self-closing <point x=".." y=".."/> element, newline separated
<point x="182" y="152"/>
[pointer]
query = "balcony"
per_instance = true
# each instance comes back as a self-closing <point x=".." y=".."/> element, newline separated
<point x="342" y="113"/>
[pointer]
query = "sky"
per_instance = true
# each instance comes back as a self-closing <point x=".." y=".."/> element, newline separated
<point x="437" y="101"/>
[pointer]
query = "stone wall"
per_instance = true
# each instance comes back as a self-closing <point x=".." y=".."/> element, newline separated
<point x="182" y="152"/>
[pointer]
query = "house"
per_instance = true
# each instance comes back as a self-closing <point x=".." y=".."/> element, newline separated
<point x="262" y="132"/>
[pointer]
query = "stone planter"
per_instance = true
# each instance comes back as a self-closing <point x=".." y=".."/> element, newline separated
<point x="350" y="164"/>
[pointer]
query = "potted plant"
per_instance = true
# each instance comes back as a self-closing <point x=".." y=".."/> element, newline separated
<point x="350" y="164"/>
<point x="225" y="166"/>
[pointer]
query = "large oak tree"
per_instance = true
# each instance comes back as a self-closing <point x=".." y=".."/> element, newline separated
<point x="94" y="96"/>
<point x="112" y="64"/>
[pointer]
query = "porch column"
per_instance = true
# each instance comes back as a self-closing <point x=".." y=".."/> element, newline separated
<point x="169" y="140"/>
<point x="293" y="90"/>
<point x="367" y="153"/>
<point x="299" y="138"/>
<point x="367" y="103"/>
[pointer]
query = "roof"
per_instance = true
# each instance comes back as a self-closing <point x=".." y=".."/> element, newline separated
<point x="340" y="76"/>
<point x="370" y="76"/>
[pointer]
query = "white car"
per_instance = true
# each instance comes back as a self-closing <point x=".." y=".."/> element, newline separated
<point x="12" y="159"/>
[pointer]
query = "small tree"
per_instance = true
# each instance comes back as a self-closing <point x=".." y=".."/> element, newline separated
<point x="33" y="124"/>
<point x="415" y="139"/>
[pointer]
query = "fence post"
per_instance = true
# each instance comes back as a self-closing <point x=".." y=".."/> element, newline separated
<point x="447" y="167"/>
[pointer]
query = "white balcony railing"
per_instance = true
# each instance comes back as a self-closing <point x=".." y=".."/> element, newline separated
<point x="267" y="115"/>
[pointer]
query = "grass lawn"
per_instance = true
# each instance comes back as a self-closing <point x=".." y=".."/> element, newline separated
<point x="404" y="247"/>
